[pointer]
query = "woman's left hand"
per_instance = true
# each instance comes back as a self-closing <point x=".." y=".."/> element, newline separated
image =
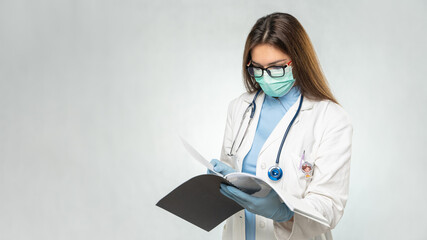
<point x="269" y="206"/>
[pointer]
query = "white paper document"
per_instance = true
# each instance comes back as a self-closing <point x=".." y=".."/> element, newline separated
<point x="196" y="155"/>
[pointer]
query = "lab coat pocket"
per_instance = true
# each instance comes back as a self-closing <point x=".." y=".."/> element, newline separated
<point x="303" y="170"/>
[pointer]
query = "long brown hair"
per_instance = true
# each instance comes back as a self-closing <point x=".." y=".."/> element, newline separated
<point x="284" y="32"/>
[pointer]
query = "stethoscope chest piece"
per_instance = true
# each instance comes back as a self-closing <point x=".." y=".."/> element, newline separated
<point x="275" y="173"/>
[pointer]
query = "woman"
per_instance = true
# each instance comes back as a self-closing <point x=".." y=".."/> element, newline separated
<point x="286" y="92"/>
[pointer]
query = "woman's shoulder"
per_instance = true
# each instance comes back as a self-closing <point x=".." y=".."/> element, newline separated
<point x="331" y="111"/>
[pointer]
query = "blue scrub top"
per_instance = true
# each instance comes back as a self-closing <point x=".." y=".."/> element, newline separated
<point x="272" y="111"/>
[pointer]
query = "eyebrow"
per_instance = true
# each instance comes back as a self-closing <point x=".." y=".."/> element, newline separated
<point x="269" y="63"/>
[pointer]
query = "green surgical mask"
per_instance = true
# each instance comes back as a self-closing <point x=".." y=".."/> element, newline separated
<point x="277" y="87"/>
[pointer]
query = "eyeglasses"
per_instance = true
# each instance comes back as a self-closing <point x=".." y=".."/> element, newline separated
<point x="273" y="71"/>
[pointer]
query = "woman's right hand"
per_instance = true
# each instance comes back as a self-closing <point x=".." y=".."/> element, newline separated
<point x="221" y="167"/>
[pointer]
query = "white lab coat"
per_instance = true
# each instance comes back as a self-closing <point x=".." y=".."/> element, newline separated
<point x="323" y="129"/>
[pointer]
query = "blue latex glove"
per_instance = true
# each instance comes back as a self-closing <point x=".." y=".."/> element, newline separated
<point x="221" y="167"/>
<point x="269" y="206"/>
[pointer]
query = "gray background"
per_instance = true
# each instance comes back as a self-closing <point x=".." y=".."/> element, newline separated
<point x="93" y="95"/>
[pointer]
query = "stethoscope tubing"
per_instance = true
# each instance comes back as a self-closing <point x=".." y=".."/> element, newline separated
<point x="287" y="130"/>
<point x="253" y="106"/>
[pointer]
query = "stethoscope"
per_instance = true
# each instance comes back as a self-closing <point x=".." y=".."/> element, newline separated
<point x="275" y="172"/>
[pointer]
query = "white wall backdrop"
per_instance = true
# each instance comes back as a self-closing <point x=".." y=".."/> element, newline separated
<point x="94" y="93"/>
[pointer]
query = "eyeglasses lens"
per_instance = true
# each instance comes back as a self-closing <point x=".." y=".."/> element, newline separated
<point x="272" y="71"/>
<point x="276" y="71"/>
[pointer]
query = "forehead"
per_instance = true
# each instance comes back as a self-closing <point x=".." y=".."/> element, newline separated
<point x="266" y="53"/>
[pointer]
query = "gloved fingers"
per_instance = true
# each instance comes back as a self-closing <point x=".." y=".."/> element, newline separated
<point x="282" y="214"/>
<point x="224" y="190"/>
<point x="241" y="196"/>
<point x="215" y="162"/>
<point x="286" y="206"/>
<point x="227" y="193"/>
<point x="218" y="166"/>
<point x="273" y="195"/>
<point x="221" y="167"/>
<point x="276" y="196"/>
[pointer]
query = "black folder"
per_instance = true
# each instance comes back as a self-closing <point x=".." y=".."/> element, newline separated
<point x="200" y="202"/>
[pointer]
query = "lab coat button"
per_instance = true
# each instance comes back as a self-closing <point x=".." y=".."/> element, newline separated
<point x="262" y="224"/>
<point x="263" y="165"/>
